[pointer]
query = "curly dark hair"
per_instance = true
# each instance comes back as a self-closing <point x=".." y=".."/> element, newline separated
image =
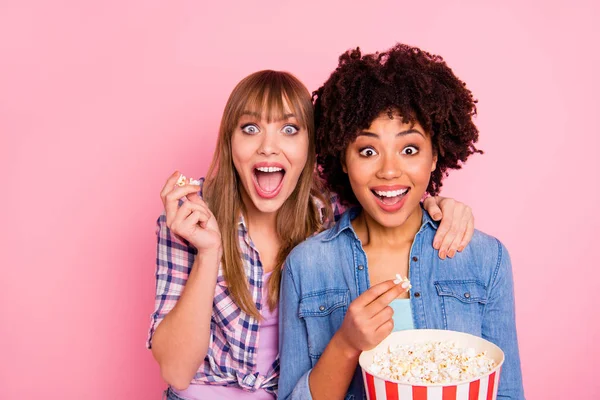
<point x="417" y="84"/>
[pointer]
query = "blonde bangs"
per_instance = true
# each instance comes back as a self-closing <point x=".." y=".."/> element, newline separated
<point x="272" y="96"/>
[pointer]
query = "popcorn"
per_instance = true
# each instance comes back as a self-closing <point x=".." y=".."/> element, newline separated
<point x="182" y="180"/>
<point x="431" y="362"/>
<point x="405" y="282"/>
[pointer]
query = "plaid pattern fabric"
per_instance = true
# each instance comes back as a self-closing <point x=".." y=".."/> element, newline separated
<point x="231" y="357"/>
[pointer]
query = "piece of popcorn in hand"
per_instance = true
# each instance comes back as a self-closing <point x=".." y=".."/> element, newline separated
<point x="194" y="182"/>
<point x="404" y="281"/>
<point x="181" y="180"/>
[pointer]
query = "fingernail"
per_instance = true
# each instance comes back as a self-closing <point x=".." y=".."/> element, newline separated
<point x="451" y="254"/>
<point x="405" y="285"/>
<point x="437" y="216"/>
<point x="442" y="254"/>
<point x="436" y="245"/>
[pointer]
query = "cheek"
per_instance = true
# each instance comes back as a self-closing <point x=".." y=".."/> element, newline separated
<point x="420" y="171"/>
<point x="359" y="173"/>
<point x="241" y="150"/>
<point x="297" y="151"/>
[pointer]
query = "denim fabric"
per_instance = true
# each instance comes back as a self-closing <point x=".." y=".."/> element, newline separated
<point x="472" y="293"/>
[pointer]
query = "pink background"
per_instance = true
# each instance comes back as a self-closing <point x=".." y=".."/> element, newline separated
<point x="101" y="101"/>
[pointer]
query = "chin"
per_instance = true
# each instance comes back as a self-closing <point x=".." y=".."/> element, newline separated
<point x="268" y="206"/>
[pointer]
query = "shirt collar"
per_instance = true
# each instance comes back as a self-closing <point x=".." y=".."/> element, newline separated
<point x="345" y="223"/>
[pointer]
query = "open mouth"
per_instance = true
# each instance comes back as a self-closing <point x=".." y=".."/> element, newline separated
<point x="268" y="180"/>
<point x="390" y="200"/>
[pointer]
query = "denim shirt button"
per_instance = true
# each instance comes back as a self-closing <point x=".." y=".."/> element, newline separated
<point x="467" y="295"/>
<point x="415" y="259"/>
<point x="418" y="294"/>
<point x="361" y="267"/>
<point x="322" y="308"/>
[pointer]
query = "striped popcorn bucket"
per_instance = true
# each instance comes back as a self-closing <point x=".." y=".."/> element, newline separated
<point x="482" y="388"/>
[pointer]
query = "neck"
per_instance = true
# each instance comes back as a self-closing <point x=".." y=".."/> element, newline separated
<point x="373" y="233"/>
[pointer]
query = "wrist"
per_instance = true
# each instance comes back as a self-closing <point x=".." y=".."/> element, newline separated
<point x="209" y="257"/>
<point x="344" y="347"/>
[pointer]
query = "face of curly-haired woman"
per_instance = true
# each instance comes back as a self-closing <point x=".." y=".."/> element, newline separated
<point x="389" y="166"/>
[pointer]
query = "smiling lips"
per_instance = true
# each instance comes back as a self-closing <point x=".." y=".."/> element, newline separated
<point x="390" y="198"/>
<point x="268" y="179"/>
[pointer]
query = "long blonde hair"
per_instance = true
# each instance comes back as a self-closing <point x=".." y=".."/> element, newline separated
<point x="263" y="92"/>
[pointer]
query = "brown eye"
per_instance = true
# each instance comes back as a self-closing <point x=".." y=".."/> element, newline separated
<point x="410" y="150"/>
<point x="368" y="152"/>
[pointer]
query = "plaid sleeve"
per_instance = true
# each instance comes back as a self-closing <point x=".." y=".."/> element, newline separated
<point x="174" y="260"/>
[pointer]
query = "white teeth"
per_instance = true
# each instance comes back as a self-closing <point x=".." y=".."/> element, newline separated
<point x="392" y="193"/>
<point x="269" y="169"/>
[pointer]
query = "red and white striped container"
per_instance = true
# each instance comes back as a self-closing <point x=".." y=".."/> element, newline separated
<point x="483" y="388"/>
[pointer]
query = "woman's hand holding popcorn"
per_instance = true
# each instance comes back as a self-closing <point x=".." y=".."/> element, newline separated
<point x="192" y="220"/>
<point x="369" y="317"/>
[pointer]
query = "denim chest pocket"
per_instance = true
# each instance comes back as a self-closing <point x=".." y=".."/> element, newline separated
<point x="462" y="303"/>
<point x="323" y="313"/>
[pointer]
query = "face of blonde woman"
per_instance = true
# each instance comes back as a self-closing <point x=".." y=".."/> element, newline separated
<point x="389" y="166"/>
<point x="269" y="158"/>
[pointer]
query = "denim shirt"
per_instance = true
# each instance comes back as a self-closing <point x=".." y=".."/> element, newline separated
<point x="471" y="292"/>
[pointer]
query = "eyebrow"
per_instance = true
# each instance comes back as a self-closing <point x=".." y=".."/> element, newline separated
<point x="401" y="133"/>
<point x="259" y="115"/>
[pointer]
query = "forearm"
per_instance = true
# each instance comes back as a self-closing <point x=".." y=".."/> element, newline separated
<point x="181" y="340"/>
<point x="332" y="375"/>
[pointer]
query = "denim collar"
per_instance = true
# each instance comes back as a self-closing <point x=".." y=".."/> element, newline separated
<point x="345" y="223"/>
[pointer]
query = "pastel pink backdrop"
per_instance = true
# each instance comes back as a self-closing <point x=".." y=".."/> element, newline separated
<point x="101" y="101"/>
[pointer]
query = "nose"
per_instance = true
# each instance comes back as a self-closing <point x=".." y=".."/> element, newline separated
<point x="269" y="144"/>
<point x="390" y="167"/>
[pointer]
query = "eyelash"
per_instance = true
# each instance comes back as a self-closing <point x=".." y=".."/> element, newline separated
<point x="416" y="148"/>
<point x="292" y="126"/>
<point x="285" y="126"/>
<point x="247" y="126"/>
<point x="409" y="146"/>
<point x="360" y="151"/>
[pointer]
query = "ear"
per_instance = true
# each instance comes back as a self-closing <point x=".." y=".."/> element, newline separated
<point x="434" y="162"/>
<point x="343" y="161"/>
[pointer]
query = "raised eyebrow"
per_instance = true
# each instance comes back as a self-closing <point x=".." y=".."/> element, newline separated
<point x="369" y="134"/>
<point x="409" y="131"/>
<point x="259" y="115"/>
<point x="401" y="133"/>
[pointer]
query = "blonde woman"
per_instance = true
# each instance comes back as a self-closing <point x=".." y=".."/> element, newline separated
<point x="222" y="241"/>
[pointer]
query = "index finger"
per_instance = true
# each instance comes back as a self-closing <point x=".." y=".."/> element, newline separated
<point x="169" y="184"/>
<point x="443" y="231"/>
<point x="374" y="292"/>
<point x="385" y="299"/>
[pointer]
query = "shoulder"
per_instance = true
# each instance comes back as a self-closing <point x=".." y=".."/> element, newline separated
<point x="485" y="257"/>
<point x="486" y="247"/>
<point x="312" y="245"/>
<point x="317" y="253"/>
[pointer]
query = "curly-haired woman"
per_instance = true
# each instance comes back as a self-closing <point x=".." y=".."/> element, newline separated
<point x="389" y="126"/>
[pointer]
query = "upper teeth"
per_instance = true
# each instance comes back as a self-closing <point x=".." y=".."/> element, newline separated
<point x="392" y="193"/>
<point x="269" y="169"/>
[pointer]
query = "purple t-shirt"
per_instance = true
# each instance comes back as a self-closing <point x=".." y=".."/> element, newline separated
<point x="268" y="348"/>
